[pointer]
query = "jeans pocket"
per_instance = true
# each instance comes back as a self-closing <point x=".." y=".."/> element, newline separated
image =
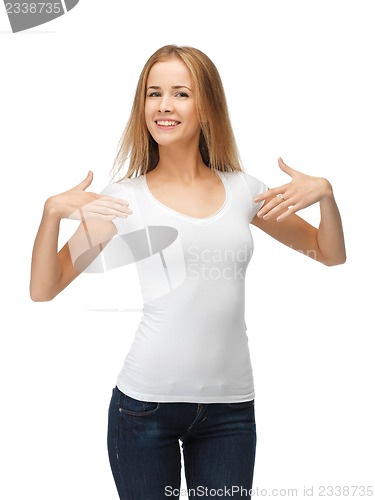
<point x="136" y="407"/>
<point x="241" y="405"/>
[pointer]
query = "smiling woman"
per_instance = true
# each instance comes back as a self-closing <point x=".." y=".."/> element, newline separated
<point x="202" y="85"/>
<point x="171" y="107"/>
<point x="188" y="375"/>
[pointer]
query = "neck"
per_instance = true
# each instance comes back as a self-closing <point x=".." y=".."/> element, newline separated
<point x="180" y="164"/>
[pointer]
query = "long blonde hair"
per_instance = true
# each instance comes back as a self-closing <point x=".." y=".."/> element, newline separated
<point x="217" y="144"/>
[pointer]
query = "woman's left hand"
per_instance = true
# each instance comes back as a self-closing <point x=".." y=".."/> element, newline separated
<point x="301" y="192"/>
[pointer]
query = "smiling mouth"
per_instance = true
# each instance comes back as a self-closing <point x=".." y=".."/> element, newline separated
<point x="167" y="123"/>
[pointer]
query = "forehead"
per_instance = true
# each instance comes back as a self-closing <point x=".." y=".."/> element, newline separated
<point x="171" y="71"/>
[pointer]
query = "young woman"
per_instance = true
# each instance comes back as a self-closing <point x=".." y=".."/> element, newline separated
<point x="182" y="213"/>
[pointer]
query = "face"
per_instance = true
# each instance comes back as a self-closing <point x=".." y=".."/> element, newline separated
<point x="170" y="107"/>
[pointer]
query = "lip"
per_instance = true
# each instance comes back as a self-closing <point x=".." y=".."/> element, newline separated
<point x="166" y="127"/>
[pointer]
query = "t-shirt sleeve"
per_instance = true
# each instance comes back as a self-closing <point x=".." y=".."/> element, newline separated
<point x="255" y="187"/>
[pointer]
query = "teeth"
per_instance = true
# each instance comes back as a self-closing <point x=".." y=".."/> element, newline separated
<point x="166" y="123"/>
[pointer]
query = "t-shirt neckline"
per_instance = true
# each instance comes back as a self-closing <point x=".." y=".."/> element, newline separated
<point x="222" y="210"/>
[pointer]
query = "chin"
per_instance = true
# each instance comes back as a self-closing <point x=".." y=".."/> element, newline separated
<point x="166" y="141"/>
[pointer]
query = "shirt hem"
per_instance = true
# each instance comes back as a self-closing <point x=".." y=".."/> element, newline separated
<point x="158" y="398"/>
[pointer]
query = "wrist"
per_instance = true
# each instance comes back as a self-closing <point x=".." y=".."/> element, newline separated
<point x="327" y="190"/>
<point x="51" y="210"/>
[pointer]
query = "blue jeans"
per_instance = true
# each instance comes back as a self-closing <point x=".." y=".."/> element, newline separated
<point x="218" y="443"/>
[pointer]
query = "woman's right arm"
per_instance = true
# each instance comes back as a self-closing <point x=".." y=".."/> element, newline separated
<point x="53" y="270"/>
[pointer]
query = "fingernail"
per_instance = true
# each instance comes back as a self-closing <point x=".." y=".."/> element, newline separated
<point x="260" y="214"/>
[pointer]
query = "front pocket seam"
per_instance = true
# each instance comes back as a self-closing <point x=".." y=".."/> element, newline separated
<point x="144" y="413"/>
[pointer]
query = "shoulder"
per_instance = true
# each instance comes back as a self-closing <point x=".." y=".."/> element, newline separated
<point x="253" y="184"/>
<point x="121" y="187"/>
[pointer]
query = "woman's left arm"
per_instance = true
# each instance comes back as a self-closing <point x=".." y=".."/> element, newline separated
<point x="278" y="218"/>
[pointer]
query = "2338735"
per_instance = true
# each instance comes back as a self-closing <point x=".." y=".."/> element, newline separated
<point x="33" y="8"/>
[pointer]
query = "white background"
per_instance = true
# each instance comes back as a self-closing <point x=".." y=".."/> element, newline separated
<point x="300" y="84"/>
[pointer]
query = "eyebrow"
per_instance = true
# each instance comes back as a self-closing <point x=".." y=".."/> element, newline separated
<point x="156" y="87"/>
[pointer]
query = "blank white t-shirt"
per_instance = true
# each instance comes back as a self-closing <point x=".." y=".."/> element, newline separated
<point x="191" y="344"/>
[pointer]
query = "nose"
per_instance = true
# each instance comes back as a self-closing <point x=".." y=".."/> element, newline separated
<point x="165" y="105"/>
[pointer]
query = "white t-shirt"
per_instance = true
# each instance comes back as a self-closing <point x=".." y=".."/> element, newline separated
<point x="191" y="344"/>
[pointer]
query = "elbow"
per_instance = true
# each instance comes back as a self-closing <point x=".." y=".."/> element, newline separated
<point x="41" y="299"/>
<point x="332" y="258"/>
<point x="335" y="261"/>
<point x="38" y="296"/>
<point x="338" y="262"/>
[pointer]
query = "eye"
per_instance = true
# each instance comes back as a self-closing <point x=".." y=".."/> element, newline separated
<point x="154" y="94"/>
<point x="182" y="94"/>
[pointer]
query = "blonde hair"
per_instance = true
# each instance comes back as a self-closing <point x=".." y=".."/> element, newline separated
<point x="217" y="144"/>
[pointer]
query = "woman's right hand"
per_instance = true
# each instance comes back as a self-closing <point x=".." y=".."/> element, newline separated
<point x="77" y="204"/>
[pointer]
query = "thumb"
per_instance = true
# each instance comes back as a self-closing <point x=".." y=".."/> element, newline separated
<point x="288" y="170"/>
<point x="86" y="182"/>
